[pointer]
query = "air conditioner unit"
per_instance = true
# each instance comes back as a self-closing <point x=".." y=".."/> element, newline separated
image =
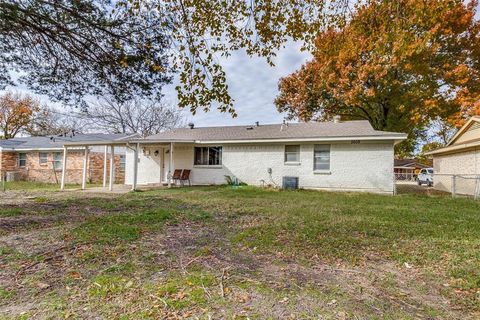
<point x="12" y="176"/>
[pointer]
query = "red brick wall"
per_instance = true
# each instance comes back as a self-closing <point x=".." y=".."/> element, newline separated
<point x="34" y="171"/>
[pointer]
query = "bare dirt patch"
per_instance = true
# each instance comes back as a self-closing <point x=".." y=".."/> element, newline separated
<point x="188" y="266"/>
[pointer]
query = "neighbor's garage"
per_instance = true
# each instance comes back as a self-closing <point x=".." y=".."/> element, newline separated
<point x="457" y="166"/>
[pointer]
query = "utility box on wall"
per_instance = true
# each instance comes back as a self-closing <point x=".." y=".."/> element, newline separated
<point x="290" y="183"/>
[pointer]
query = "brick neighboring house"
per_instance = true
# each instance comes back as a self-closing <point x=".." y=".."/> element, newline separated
<point x="40" y="158"/>
<point x="408" y="169"/>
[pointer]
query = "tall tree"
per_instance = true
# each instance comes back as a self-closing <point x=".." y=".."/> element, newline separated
<point x="16" y="113"/>
<point x="135" y="116"/>
<point x="48" y="121"/>
<point x="75" y="48"/>
<point x="398" y="64"/>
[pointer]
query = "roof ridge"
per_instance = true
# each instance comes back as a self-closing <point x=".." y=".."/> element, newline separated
<point x="272" y="124"/>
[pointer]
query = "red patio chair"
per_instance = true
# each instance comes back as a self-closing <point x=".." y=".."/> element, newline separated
<point x="186" y="177"/>
<point x="177" y="175"/>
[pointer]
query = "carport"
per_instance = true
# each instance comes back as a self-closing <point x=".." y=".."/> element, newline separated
<point x="108" y="160"/>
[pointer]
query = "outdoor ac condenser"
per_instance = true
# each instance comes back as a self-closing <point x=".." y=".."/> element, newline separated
<point x="12" y="176"/>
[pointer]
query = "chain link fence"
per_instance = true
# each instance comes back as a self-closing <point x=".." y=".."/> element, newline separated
<point x="405" y="177"/>
<point x="459" y="185"/>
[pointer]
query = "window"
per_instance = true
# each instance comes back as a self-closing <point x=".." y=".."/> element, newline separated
<point x="57" y="160"/>
<point x="43" y="158"/>
<point x="292" y="153"/>
<point x="208" y="156"/>
<point x="122" y="163"/>
<point x="22" y="159"/>
<point x="321" y="157"/>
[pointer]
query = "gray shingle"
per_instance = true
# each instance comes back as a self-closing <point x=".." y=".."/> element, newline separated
<point x="50" y="142"/>
<point x="275" y="131"/>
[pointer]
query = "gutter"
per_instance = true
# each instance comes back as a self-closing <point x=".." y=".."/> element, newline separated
<point x="396" y="139"/>
<point x="96" y="143"/>
<point x="455" y="148"/>
<point x="32" y="149"/>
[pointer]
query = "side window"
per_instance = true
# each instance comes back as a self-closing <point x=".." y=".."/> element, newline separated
<point x="321" y="157"/>
<point x="207" y="156"/>
<point x="122" y="163"/>
<point x="22" y="159"/>
<point x="292" y="153"/>
<point x="42" y="158"/>
<point x="57" y="160"/>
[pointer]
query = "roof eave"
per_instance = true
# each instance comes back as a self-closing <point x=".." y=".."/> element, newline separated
<point x="396" y="138"/>
<point x="96" y="143"/>
<point x="462" y="130"/>
<point x="455" y="148"/>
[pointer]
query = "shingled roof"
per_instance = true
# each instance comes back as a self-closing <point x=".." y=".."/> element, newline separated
<point x="57" y="141"/>
<point x="311" y="130"/>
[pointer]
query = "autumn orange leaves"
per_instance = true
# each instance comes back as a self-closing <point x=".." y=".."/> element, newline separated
<point x="398" y="64"/>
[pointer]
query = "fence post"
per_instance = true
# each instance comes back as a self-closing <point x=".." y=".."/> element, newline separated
<point x="4" y="177"/>
<point x="394" y="185"/>
<point x="454" y="186"/>
<point x="476" y="192"/>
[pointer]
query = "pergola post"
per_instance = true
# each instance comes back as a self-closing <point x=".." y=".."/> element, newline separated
<point x="105" y="161"/>
<point x="84" y="172"/>
<point x="112" y="168"/>
<point x="135" y="167"/>
<point x="64" y="168"/>
<point x="170" y="166"/>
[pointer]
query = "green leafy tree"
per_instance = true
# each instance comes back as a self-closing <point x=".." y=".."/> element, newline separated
<point x="121" y="48"/>
<point x="75" y="48"/>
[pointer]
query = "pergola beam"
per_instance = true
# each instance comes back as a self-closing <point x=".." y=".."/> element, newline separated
<point x="112" y="167"/>
<point x="84" y="171"/>
<point x="170" y="166"/>
<point x="105" y="170"/>
<point x="135" y="167"/>
<point x="64" y="168"/>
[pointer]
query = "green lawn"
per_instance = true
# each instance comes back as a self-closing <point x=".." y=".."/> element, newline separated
<point x="244" y="252"/>
<point x="38" y="186"/>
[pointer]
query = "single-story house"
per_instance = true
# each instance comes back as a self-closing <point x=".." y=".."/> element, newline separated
<point x="344" y="156"/>
<point x="408" y="169"/>
<point x="41" y="158"/>
<point x="456" y="167"/>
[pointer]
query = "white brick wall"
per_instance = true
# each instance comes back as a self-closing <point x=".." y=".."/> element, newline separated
<point x="356" y="167"/>
<point x="460" y="163"/>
